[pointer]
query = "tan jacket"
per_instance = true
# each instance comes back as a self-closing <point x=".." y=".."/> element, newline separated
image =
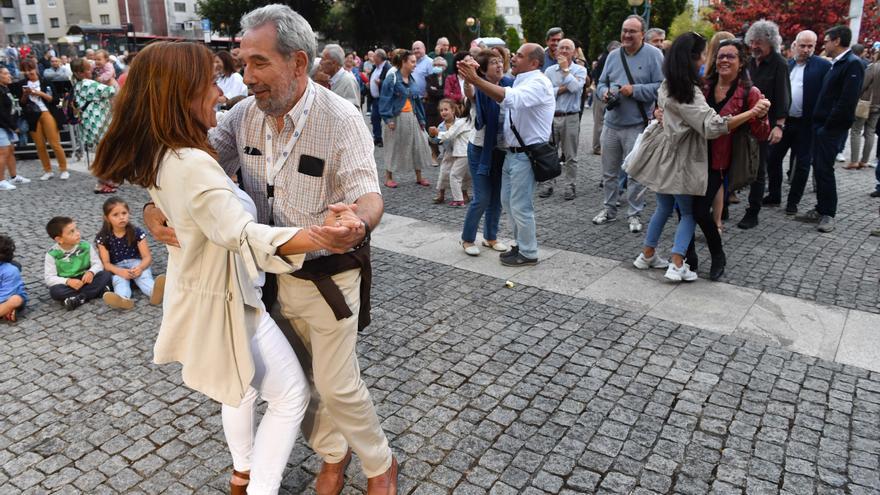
<point x="673" y="158"/>
<point x="211" y="307"/>
<point x="871" y="86"/>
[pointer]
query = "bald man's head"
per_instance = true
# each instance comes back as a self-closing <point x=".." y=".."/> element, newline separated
<point x="566" y="49"/>
<point x="529" y="57"/>
<point x="804" y="45"/>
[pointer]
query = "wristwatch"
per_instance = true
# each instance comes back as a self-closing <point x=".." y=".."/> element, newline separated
<point x="780" y="126"/>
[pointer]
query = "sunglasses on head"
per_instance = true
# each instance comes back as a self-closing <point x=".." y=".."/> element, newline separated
<point x="731" y="42"/>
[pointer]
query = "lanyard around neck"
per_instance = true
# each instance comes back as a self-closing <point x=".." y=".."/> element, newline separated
<point x="274" y="164"/>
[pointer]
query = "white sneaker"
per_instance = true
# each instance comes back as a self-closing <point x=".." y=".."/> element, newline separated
<point x="602" y="218"/>
<point x="840" y="157"/>
<point x="47" y="176"/>
<point x="655" y="261"/>
<point x="635" y="225"/>
<point x="64" y="175"/>
<point x="20" y="179"/>
<point x="5" y="185"/>
<point x="683" y="274"/>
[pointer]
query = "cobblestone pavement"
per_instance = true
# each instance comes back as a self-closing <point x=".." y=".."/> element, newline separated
<point x="482" y="389"/>
<point x="780" y="255"/>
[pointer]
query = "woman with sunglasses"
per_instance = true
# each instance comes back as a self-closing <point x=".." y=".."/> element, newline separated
<point x="728" y="91"/>
<point x="674" y="161"/>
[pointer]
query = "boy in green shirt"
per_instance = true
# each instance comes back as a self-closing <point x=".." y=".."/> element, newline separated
<point x="73" y="270"/>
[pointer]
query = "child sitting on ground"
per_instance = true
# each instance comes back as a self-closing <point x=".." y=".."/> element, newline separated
<point x="72" y="269"/>
<point x="453" y="135"/>
<point x="124" y="252"/>
<point x="13" y="297"/>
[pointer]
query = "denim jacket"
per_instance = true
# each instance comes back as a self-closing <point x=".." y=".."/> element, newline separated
<point x="394" y="94"/>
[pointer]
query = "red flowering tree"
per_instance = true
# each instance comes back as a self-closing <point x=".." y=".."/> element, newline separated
<point x="793" y="16"/>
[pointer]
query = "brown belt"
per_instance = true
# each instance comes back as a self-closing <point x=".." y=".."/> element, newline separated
<point x="321" y="270"/>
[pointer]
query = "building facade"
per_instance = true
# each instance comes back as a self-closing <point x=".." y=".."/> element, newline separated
<point x="509" y="9"/>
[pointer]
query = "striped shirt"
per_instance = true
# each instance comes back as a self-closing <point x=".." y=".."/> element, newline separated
<point x="334" y="133"/>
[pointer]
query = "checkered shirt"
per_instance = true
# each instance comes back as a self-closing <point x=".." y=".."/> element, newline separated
<point x="334" y="132"/>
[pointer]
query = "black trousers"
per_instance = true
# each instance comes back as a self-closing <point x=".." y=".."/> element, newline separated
<point x="796" y="137"/>
<point x="702" y="209"/>
<point x="756" y="191"/>
<point x="100" y="284"/>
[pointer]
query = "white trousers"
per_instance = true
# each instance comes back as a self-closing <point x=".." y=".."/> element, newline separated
<point x="280" y="381"/>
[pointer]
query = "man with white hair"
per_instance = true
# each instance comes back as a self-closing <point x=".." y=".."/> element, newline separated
<point x="568" y="80"/>
<point x="655" y="36"/>
<point x="424" y="67"/>
<point x="342" y="81"/>
<point x="57" y="72"/>
<point x="806" y="72"/>
<point x="769" y="72"/>
<point x="303" y="152"/>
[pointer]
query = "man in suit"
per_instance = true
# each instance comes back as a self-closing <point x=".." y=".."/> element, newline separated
<point x="832" y="117"/>
<point x="806" y="72"/>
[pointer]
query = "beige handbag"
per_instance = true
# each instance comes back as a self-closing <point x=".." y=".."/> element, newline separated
<point x="863" y="109"/>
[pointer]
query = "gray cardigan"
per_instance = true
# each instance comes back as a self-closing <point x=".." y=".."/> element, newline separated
<point x="673" y="157"/>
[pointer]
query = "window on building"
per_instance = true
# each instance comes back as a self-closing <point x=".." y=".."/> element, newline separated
<point x="9" y="20"/>
<point x="53" y="22"/>
<point x="28" y="2"/>
<point x="102" y="1"/>
<point x="32" y="18"/>
<point x="179" y="7"/>
<point x="105" y="19"/>
<point x="52" y="3"/>
<point x="7" y="4"/>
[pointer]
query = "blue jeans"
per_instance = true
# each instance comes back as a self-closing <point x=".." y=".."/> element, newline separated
<point x="517" y="191"/>
<point x="376" y="120"/>
<point x="685" y="230"/>
<point x="122" y="287"/>
<point x="487" y="197"/>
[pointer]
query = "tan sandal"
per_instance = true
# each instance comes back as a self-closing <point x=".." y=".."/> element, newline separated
<point x="239" y="489"/>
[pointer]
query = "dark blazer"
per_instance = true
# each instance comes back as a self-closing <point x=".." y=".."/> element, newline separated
<point x="836" y="104"/>
<point x="814" y="73"/>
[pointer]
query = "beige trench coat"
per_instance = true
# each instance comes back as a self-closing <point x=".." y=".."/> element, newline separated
<point x="211" y="307"/>
<point x="673" y="158"/>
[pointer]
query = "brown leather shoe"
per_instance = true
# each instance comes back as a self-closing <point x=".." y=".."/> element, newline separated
<point x="385" y="483"/>
<point x="331" y="479"/>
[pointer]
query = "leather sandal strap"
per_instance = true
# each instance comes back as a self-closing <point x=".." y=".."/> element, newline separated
<point x="244" y="476"/>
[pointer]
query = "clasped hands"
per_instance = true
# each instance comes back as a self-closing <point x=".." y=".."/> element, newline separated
<point x="342" y="229"/>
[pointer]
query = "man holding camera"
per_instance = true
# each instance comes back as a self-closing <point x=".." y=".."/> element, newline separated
<point x="628" y="86"/>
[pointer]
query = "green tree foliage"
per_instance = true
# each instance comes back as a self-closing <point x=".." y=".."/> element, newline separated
<point x="397" y="23"/>
<point x="593" y="22"/>
<point x="229" y="12"/>
<point x="684" y="23"/>
<point x="511" y="37"/>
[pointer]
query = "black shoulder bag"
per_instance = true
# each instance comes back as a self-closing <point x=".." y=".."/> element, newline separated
<point x="629" y="77"/>
<point x="543" y="156"/>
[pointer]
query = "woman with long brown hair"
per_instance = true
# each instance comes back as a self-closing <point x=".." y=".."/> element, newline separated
<point x="213" y="321"/>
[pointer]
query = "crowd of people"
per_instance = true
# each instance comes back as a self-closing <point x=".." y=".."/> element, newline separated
<point x="263" y="183"/>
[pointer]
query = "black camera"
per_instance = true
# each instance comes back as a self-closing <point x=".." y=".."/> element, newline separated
<point x="613" y="101"/>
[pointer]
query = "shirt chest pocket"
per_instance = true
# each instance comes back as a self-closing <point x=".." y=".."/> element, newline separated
<point x="302" y="193"/>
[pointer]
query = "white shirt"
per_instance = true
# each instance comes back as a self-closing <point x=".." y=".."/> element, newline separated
<point x="530" y="103"/>
<point x="797" y="90"/>
<point x="345" y="85"/>
<point x="35" y="85"/>
<point x="232" y="86"/>
<point x="374" y="79"/>
<point x="837" y="58"/>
